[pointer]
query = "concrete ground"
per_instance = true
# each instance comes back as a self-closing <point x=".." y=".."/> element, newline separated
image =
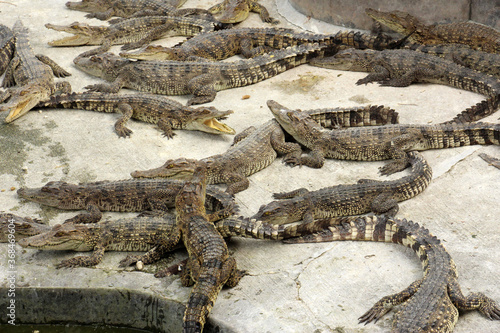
<point x="290" y="288"/>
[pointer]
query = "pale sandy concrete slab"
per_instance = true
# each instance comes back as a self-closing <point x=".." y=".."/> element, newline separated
<point x="290" y="288"/>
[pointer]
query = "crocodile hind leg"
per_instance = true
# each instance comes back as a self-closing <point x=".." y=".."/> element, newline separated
<point x="249" y="51"/>
<point x="56" y="69"/>
<point x="8" y="79"/>
<point x="202" y="87"/>
<point x="474" y="301"/>
<point x="397" y="148"/>
<point x="490" y="160"/>
<point x="217" y="8"/>
<point x="379" y="73"/>
<point x="113" y="88"/>
<point x="386" y="303"/>
<point x="63" y="88"/>
<point x="291" y="194"/>
<point x="292" y="151"/>
<point x="120" y="128"/>
<point x="167" y="244"/>
<point x="385" y="204"/>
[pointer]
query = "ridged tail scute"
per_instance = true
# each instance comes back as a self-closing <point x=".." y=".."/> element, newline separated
<point x="479" y="110"/>
<point x="251" y="228"/>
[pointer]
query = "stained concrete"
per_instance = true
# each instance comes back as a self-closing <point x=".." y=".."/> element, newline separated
<point x="351" y="14"/>
<point x="290" y="288"/>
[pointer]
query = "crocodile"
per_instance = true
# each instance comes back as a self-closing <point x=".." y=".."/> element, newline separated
<point x="105" y="9"/>
<point x="400" y="68"/>
<point x="377" y="143"/>
<point x="130" y="195"/>
<point x="155" y="232"/>
<point x="478" y="60"/>
<point x="490" y="160"/>
<point x="253" y="150"/>
<point x="428" y="305"/>
<point x="251" y="42"/>
<point x="235" y="11"/>
<point x="223" y="44"/>
<point x="202" y="79"/>
<point x="149" y="231"/>
<point x="29" y="77"/>
<point x="209" y="266"/>
<point x="256" y="148"/>
<point x="367" y="195"/>
<point x="16" y="227"/>
<point x="134" y="32"/>
<point x="475" y="35"/>
<point x="7" y="43"/>
<point x="166" y="113"/>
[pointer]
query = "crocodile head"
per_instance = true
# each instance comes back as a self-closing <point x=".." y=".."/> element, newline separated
<point x="235" y="12"/>
<point x="206" y="119"/>
<point x="89" y="6"/>
<point x="280" y="212"/>
<point x="105" y="65"/>
<point x="153" y="52"/>
<point x="295" y="122"/>
<point x="181" y="168"/>
<point x="23" y="99"/>
<point x="83" y="34"/>
<point x="396" y="20"/>
<point x="67" y="236"/>
<point x="19" y="227"/>
<point x="55" y="194"/>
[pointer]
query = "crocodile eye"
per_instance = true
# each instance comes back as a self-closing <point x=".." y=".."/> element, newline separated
<point x="59" y="234"/>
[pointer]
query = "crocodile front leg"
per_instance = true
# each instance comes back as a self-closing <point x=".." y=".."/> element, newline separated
<point x="56" y="69"/>
<point x="152" y="35"/>
<point x="263" y="13"/>
<point x="93" y="215"/>
<point x="85" y="261"/>
<point x="113" y="88"/>
<point x="385" y="304"/>
<point x="103" y="16"/>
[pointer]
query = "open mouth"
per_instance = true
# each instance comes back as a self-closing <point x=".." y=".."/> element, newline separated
<point x="19" y="110"/>
<point x="75" y="40"/>
<point x="218" y="126"/>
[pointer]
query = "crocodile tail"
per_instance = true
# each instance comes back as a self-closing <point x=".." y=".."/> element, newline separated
<point x="478" y="111"/>
<point x="197" y="310"/>
<point x="252" y="228"/>
<point x="370" y="228"/>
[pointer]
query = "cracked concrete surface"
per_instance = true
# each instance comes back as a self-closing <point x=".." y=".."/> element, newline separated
<point x="290" y="288"/>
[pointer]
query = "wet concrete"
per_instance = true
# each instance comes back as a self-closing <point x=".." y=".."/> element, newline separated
<point x="290" y="288"/>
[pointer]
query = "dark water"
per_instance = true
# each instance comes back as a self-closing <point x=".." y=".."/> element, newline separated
<point x="66" y="329"/>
